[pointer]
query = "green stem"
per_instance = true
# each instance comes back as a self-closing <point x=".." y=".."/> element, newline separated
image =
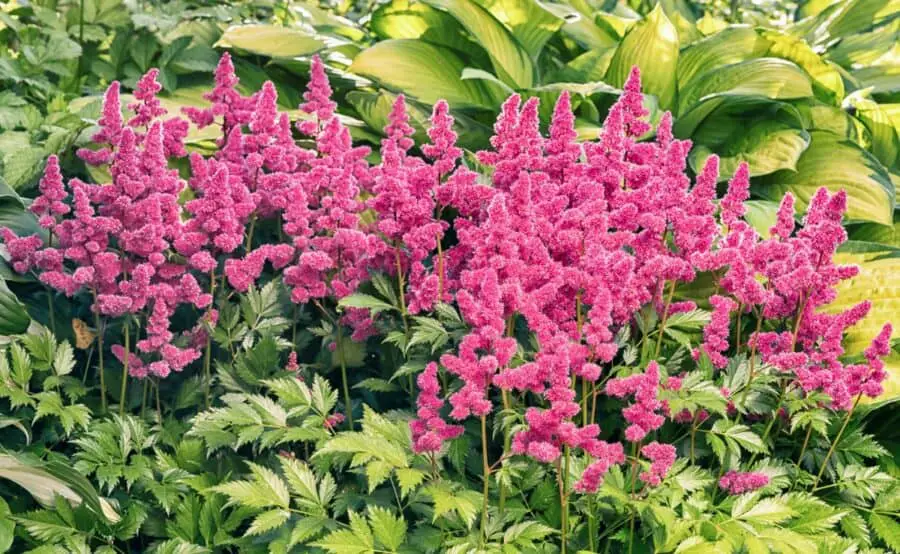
<point x="835" y="442"/>
<point x="249" y="243"/>
<point x="158" y="404"/>
<point x="487" y="476"/>
<point x="665" y="316"/>
<point x="340" y="350"/>
<point x="123" y="391"/>
<point x="564" y="499"/>
<point x="207" y="358"/>
<point x="144" y="398"/>
<point x="802" y="452"/>
<point x="97" y="324"/>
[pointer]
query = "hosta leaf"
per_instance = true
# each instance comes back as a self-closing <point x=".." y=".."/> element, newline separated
<point x="877" y="280"/>
<point x="767" y="146"/>
<point x="425" y="71"/>
<point x="882" y="126"/>
<point x="732" y="45"/>
<point x="402" y="19"/>
<point x="652" y="45"/>
<point x="826" y="80"/>
<point x="770" y="77"/>
<point x="13" y="317"/>
<point x="274" y="41"/>
<point x="836" y="164"/>
<point x="530" y="21"/>
<point x="508" y="57"/>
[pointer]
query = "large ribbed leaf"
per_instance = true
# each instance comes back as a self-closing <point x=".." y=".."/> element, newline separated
<point x="832" y="119"/>
<point x="582" y="29"/>
<point x="530" y="22"/>
<point x="881" y="125"/>
<point x="761" y="214"/>
<point x="826" y="80"/>
<point x="590" y="66"/>
<point x="651" y="45"/>
<point x="865" y="49"/>
<point x="835" y="163"/>
<point x="770" y="77"/>
<point x="857" y="16"/>
<point x="423" y="70"/>
<point x="883" y="79"/>
<point x="509" y="58"/>
<point x="877" y="281"/>
<point x="400" y="19"/>
<point x="273" y="41"/>
<point x="767" y="145"/>
<point x="888" y="235"/>
<point x="14" y="318"/>
<point x="732" y="45"/>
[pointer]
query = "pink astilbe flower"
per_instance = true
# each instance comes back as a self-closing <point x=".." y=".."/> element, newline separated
<point x="430" y="430"/>
<point x="227" y="103"/>
<point x="736" y="482"/>
<point x="643" y="415"/>
<point x="661" y="457"/>
<point x="49" y="205"/>
<point x="715" y="334"/>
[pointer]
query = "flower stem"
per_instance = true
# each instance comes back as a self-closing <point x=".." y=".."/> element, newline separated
<point x="99" y="327"/>
<point x="665" y="316"/>
<point x="401" y="287"/>
<point x="249" y="243"/>
<point x="836" y="440"/>
<point x="802" y="452"/>
<point x="340" y="352"/>
<point x="752" y="361"/>
<point x="487" y="476"/>
<point x="440" y="268"/>
<point x="144" y="398"/>
<point x="207" y="358"/>
<point x="564" y="499"/>
<point x="124" y="390"/>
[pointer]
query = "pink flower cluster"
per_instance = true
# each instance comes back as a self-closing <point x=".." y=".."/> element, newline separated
<point x="643" y="415"/>
<point x="735" y="482"/>
<point x="430" y="430"/>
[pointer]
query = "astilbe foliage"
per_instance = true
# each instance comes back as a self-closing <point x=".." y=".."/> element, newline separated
<point x="568" y="241"/>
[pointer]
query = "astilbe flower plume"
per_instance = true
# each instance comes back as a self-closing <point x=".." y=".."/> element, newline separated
<point x="736" y="482"/>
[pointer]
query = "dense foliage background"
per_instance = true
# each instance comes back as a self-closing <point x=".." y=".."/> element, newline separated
<point x="235" y="454"/>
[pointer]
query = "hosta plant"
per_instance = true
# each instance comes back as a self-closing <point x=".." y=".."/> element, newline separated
<point x="576" y="347"/>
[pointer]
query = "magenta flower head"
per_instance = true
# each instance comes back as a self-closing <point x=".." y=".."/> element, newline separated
<point x="736" y="482"/>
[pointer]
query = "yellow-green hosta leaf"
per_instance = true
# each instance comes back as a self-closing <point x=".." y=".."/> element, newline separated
<point x="835" y="163"/>
<point x="864" y="49"/>
<point x="729" y="46"/>
<point x="826" y="80"/>
<point x="858" y="16"/>
<point x="710" y="25"/>
<point x="882" y="126"/>
<point x="530" y="21"/>
<point x="273" y="41"/>
<point x="888" y="235"/>
<point x="877" y="281"/>
<point x="770" y="77"/>
<point x="822" y="117"/>
<point x="596" y="37"/>
<point x="883" y="78"/>
<point x="767" y="146"/>
<point x="652" y="45"/>
<point x="402" y="19"/>
<point x="509" y="58"/>
<point x="425" y="71"/>
<point x="761" y="215"/>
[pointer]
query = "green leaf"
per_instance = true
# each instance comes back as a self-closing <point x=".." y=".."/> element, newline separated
<point x="752" y="509"/>
<point x="509" y="59"/>
<point x="766" y="146"/>
<point x="366" y="302"/>
<point x="13" y="317"/>
<point x="401" y="19"/>
<point x="651" y="45"/>
<point x="836" y="164"/>
<point x="271" y="40"/>
<point x="345" y="541"/>
<point x="390" y="530"/>
<point x="826" y="80"/>
<point x="769" y="77"/>
<point x="886" y="528"/>
<point x="730" y="46"/>
<point x="531" y="22"/>
<point x="7" y="527"/>
<point x="267" y="521"/>
<point x="883" y="125"/>
<point x="425" y="71"/>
